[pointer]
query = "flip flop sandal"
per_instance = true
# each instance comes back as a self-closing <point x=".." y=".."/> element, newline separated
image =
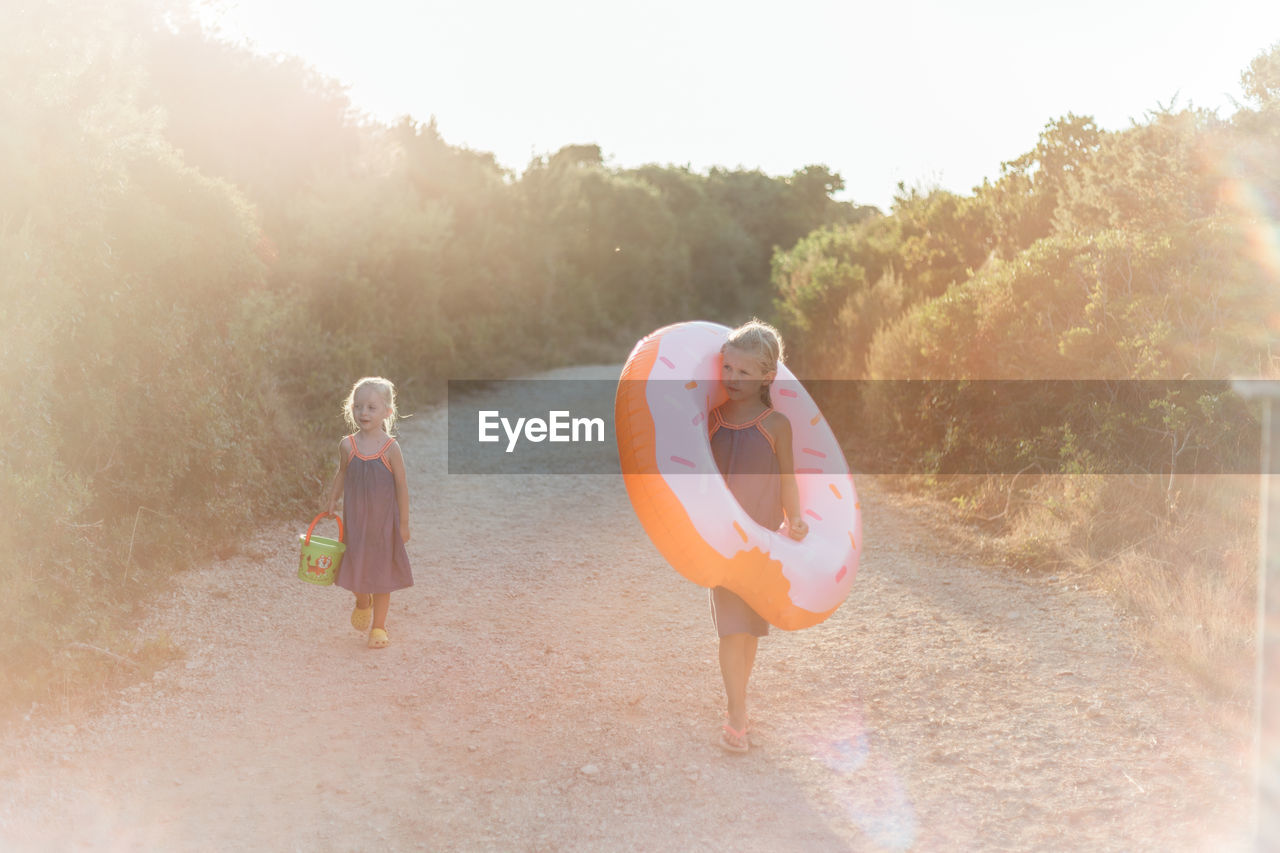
<point x="362" y="617"/>
<point x="378" y="639"/>
<point x="732" y="740"/>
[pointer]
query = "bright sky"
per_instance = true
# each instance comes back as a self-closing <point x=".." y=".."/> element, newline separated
<point x="928" y="92"/>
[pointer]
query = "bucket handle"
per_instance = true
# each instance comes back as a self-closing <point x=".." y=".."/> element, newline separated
<point x="316" y="521"/>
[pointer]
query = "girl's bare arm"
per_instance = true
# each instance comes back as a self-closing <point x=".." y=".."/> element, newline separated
<point x="335" y="491"/>
<point x="396" y="458"/>
<point x="780" y="428"/>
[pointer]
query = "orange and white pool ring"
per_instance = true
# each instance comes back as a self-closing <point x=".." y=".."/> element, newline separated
<point x="669" y="385"/>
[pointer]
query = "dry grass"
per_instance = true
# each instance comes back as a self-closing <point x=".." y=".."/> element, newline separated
<point x="1178" y="558"/>
<point x="1201" y="617"/>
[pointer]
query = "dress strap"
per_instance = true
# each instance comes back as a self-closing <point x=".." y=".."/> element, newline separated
<point x="759" y="424"/>
<point x="753" y="422"/>
<point x="717" y="420"/>
<point x="381" y="455"/>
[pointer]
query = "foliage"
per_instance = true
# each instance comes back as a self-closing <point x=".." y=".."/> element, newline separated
<point x="1147" y="253"/>
<point x="1261" y="80"/>
<point x="202" y="247"/>
<point x="134" y="396"/>
<point x="863" y="275"/>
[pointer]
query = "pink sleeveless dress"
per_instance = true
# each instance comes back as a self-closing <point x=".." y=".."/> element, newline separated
<point x="745" y="455"/>
<point x="375" y="559"/>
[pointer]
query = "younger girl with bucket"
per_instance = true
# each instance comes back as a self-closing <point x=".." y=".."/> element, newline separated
<point x="751" y="443"/>
<point x="375" y="507"/>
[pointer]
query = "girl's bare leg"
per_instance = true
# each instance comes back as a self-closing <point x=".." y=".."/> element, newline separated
<point x="737" y="654"/>
<point x="381" y="604"/>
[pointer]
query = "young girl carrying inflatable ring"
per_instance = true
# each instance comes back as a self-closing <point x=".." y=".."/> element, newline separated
<point x="751" y="443"/>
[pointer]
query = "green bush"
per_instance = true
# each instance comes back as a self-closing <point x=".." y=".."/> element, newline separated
<point x="203" y="248"/>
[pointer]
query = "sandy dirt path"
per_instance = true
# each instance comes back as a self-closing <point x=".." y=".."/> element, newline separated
<point x="552" y="685"/>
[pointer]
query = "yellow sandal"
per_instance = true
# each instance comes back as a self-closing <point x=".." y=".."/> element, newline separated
<point x="378" y="639"/>
<point x="362" y="617"/>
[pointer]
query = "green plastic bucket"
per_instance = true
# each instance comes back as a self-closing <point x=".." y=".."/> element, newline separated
<point x="321" y="557"/>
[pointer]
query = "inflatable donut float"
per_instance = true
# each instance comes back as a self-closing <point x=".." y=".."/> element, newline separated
<point x="669" y="385"/>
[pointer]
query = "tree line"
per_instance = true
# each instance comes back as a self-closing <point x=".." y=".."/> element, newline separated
<point x="202" y="247"/>
<point x="1145" y="253"/>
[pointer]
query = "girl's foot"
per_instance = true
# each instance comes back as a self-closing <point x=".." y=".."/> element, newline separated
<point x="746" y="726"/>
<point x="361" y="617"/>
<point x="734" y="740"/>
<point x="378" y="638"/>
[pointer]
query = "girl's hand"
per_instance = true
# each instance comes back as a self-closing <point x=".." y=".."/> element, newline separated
<point x="404" y="532"/>
<point x="797" y="529"/>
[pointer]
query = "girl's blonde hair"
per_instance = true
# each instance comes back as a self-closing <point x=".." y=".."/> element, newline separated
<point x="761" y="340"/>
<point x="383" y="387"/>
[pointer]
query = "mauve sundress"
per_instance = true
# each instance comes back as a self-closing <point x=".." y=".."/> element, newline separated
<point x="375" y="559"/>
<point x="745" y="455"/>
